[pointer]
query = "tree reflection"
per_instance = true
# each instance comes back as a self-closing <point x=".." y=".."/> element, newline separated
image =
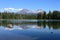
<point x="50" y="24"/>
<point x="41" y="24"/>
<point x="54" y="25"/>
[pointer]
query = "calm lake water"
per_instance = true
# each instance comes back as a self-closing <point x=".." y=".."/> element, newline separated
<point x="30" y="30"/>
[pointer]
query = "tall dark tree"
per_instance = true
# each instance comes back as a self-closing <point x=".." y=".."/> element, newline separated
<point x="39" y="15"/>
<point x="44" y="15"/>
<point x="56" y="15"/>
<point x="49" y="15"/>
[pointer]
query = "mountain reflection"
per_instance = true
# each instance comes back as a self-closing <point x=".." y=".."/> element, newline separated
<point x="26" y="25"/>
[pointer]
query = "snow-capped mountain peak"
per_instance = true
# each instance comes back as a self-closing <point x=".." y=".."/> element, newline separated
<point x="30" y="11"/>
<point x="24" y="11"/>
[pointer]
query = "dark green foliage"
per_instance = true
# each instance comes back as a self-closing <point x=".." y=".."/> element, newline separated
<point x="8" y="15"/>
<point x="41" y="15"/>
<point x="53" y="15"/>
<point x="49" y="15"/>
<point x="56" y="15"/>
<point x="44" y="15"/>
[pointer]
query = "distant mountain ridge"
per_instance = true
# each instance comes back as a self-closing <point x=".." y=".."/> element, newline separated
<point x="24" y="11"/>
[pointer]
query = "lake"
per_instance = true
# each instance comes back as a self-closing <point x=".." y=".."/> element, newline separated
<point x="30" y="30"/>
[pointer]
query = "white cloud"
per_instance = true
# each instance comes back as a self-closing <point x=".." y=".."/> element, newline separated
<point x="11" y="9"/>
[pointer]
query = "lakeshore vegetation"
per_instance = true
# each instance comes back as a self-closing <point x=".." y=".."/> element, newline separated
<point x="41" y="15"/>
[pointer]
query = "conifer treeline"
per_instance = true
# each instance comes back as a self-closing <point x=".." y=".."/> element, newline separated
<point x="50" y="15"/>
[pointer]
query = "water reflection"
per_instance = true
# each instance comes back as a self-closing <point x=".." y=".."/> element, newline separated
<point x="28" y="24"/>
<point x="29" y="30"/>
<point x="53" y="24"/>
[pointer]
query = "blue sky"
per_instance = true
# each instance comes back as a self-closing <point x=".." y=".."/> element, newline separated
<point x="31" y="4"/>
